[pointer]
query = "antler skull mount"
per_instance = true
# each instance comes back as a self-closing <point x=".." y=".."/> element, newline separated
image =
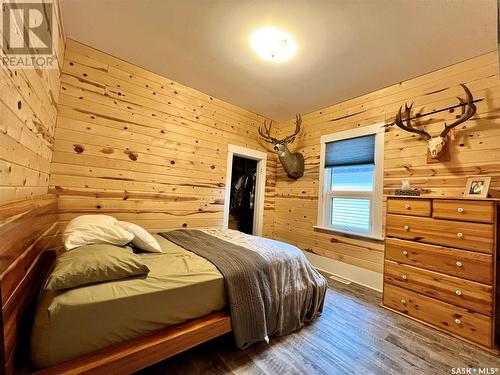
<point x="437" y="143"/>
<point x="293" y="163"/>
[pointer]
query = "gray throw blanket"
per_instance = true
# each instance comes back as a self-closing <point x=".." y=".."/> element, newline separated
<point x="271" y="287"/>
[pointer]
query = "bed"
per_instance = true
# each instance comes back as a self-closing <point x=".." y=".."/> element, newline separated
<point x="151" y="334"/>
<point x="180" y="286"/>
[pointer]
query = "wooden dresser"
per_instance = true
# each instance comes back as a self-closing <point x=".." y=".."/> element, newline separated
<point x="440" y="264"/>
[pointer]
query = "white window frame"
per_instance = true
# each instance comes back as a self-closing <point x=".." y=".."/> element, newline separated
<point x="376" y="197"/>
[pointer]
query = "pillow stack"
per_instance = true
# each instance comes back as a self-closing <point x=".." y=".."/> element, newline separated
<point x="93" y="229"/>
<point x="98" y="253"/>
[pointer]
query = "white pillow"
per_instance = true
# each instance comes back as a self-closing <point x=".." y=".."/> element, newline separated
<point x="91" y="229"/>
<point x="142" y="238"/>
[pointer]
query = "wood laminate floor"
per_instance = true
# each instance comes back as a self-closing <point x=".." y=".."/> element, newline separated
<point x="353" y="336"/>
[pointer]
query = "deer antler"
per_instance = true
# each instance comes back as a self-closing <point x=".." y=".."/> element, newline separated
<point x="399" y="122"/>
<point x="466" y="114"/>
<point x="298" y="123"/>
<point x="267" y="135"/>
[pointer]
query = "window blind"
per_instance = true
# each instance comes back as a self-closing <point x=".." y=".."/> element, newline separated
<point x="351" y="213"/>
<point x="353" y="151"/>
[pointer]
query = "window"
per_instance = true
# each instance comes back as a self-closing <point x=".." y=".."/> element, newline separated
<point x="351" y="181"/>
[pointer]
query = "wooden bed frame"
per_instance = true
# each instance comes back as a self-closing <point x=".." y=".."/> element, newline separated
<point x="27" y="230"/>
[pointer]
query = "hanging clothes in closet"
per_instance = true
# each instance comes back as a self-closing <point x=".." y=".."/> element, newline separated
<point x="243" y="192"/>
<point x="242" y="198"/>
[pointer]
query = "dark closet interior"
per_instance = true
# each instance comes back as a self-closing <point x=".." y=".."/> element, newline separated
<point x="242" y="200"/>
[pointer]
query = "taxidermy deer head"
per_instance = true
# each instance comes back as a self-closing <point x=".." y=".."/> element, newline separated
<point x="437" y="143"/>
<point x="293" y="164"/>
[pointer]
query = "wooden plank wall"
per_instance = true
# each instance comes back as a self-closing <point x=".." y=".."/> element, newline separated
<point x="476" y="150"/>
<point x="27" y="228"/>
<point x="145" y="149"/>
<point x="28" y="111"/>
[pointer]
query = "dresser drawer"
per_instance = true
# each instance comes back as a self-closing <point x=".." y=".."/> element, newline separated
<point x="472" y="326"/>
<point x="408" y="206"/>
<point x="462" y="263"/>
<point x="464" y="235"/>
<point x="459" y="292"/>
<point x="481" y="211"/>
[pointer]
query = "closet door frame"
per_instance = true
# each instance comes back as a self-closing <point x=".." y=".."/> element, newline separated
<point x="260" y="184"/>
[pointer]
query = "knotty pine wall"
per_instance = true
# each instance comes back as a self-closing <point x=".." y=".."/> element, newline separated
<point x="28" y="111"/>
<point x="143" y="148"/>
<point x="476" y="151"/>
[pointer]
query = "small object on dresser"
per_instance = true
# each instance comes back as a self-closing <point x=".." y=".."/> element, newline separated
<point x="412" y="192"/>
<point x="405" y="184"/>
<point x="407" y="190"/>
<point x="477" y="187"/>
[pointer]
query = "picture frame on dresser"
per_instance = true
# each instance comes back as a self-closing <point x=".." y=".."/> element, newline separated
<point x="477" y="187"/>
<point x="440" y="265"/>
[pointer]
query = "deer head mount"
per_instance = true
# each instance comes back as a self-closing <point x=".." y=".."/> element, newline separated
<point x="436" y="143"/>
<point x="293" y="164"/>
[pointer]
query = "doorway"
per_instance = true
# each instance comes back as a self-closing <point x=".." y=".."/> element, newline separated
<point x="245" y="189"/>
<point x="242" y="199"/>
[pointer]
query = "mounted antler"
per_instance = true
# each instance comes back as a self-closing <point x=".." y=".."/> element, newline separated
<point x="267" y="134"/>
<point x="466" y="114"/>
<point x="408" y="127"/>
<point x="436" y="144"/>
<point x="291" y="138"/>
<point x="292" y="163"/>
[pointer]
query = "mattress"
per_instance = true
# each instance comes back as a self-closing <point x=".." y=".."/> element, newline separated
<point x="179" y="287"/>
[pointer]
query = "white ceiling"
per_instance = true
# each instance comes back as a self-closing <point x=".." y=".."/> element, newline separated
<point x="346" y="47"/>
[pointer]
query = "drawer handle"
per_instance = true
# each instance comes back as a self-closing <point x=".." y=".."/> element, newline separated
<point x="460" y="235"/>
<point x="403" y="302"/>
<point x="459" y="264"/>
<point x="457" y="321"/>
<point x="407" y="206"/>
<point x="406" y="228"/>
<point x="405" y="253"/>
<point x="404" y="277"/>
<point x="458" y="293"/>
<point x="460" y="210"/>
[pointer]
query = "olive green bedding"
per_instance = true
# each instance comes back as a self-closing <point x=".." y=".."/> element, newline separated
<point x="180" y="286"/>
<point x="92" y="264"/>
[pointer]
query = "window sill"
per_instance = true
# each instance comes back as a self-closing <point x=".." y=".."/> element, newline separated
<point x="319" y="228"/>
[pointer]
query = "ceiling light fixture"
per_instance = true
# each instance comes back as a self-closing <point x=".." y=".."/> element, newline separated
<point x="273" y="45"/>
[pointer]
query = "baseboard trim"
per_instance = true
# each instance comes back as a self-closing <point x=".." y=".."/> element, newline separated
<point x="353" y="281"/>
<point x="357" y="275"/>
<point x="339" y="279"/>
